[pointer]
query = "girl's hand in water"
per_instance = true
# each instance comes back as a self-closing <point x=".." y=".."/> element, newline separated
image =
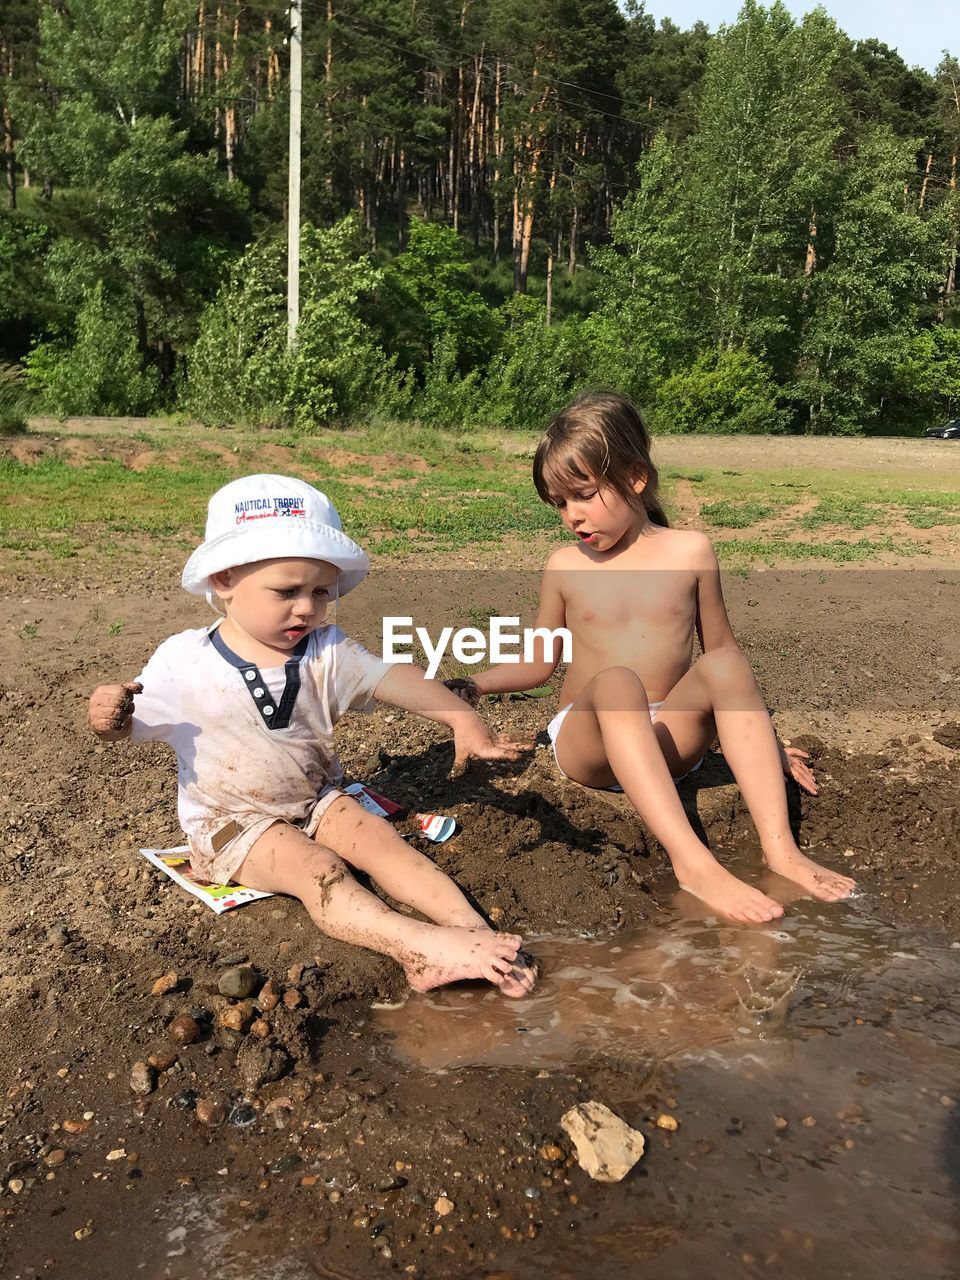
<point x="465" y="689"/>
<point x="794" y="762"/>
<point x="474" y="742"/>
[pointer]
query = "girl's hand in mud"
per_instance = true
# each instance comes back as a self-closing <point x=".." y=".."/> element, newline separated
<point x="794" y="762"/>
<point x="465" y="689"/>
<point x="111" y="706"/>
<point x="475" y="743"/>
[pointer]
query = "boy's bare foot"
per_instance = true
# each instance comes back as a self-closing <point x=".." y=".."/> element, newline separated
<point x="454" y="955"/>
<point x="722" y="891"/>
<point x="828" y="886"/>
<point x="519" y="982"/>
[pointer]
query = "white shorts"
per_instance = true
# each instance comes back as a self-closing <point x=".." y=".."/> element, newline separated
<point x="553" y="732"/>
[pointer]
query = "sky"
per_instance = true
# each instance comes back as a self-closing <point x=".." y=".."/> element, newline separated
<point x="919" y="29"/>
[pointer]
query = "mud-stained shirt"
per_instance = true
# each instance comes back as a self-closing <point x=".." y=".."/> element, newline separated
<point x="253" y="746"/>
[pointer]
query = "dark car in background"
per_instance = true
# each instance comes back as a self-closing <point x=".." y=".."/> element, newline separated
<point x="949" y="431"/>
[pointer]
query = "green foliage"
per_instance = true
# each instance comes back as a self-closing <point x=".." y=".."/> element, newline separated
<point x="13" y="400"/>
<point x="100" y="372"/>
<point x="865" y="303"/>
<point x="241" y="369"/>
<point x="722" y="392"/>
<point x="534" y="370"/>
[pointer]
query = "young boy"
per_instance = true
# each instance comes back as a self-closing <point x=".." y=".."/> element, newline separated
<point x="249" y="707"/>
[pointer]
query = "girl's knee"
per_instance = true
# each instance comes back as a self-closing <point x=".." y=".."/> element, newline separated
<point x="723" y="668"/>
<point x="617" y="688"/>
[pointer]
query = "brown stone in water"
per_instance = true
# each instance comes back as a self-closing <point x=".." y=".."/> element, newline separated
<point x="210" y="1111"/>
<point x="269" y="997"/>
<point x="184" y="1029"/>
<point x="551" y="1152"/>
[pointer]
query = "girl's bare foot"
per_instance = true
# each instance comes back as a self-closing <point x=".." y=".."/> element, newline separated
<point x="828" y="886"/>
<point x="722" y="891"/>
<point x="453" y="955"/>
<point x="519" y="981"/>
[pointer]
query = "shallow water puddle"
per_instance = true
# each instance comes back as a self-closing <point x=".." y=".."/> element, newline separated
<point x="680" y="989"/>
<point x="845" y="1028"/>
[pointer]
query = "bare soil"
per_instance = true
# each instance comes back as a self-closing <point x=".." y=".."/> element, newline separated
<point x="346" y="1153"/>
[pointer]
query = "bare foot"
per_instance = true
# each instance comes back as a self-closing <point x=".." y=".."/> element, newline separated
<point x="828" y="886"/>
<point x="453" y="955"/>
<point x="722" y="891"/>
<point x="520" y="979"/>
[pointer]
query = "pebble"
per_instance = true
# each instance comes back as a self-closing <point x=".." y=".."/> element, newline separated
<point x="551" y="1152"/>
<point x="238" y="982"/>
<point x="118" y="1153"/>
<point x="55" y="1157"/>
<point x="163" y="986"/>
<point x="184" y="1029"/>
<point x="76" y="1126"/>
<point x="143" y="1079"/>
<point x="269" y="997"/>
<point x="163" y="1060"/>
<point x="15" y="1185"/>
<point x="292" y="998"/>
<point x="83" y="1233"/>
<point x="781" y="1122"/>
<point x="237" y="1017"/>
<point x="443" y="1206"/>
<point x="808" y="1122"/>
<point x="241" y="1114"/>
<point x="670" y="1123"/>
<point x="210" y="1111"/>
<point x="260" y="1027"/>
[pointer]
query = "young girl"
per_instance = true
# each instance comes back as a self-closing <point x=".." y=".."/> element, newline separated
<point x="249" y="706"/>
<point x="635" y="711"/>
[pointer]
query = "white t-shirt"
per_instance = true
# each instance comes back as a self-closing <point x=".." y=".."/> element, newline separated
<point x="216" y="711"/>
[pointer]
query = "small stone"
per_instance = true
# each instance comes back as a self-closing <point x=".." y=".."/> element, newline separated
<point x="63" y="1073"/>
<point x="292" y="998"/>
<point x="55" y="1157"/>
<point x="607" y="1147"/>
<point x="118" y="1153"/>
<point x="670" y="1123"/>
<point x="443" y="1206"/>
<point x="808" y="1122"/>
<point x="260" y="1028"/>
<point x="238" y="982"/>
<point x="76" y="1126"/>
<point x="309" y="1180"/>
<point x="163" y="1060"/>
<point x="15" y="1185"/>
<point x="236" y="1017"/>
<point x="210" y="1112"/>
<point x="143" y="1078"/>
<point x="295" y="972"/>
<point x="552" y="1153"/>
<point x="269" y="997"/>
<point x="163" y="986"/>
<point x="781" y="1122"/>
<point x="84" y="1233"/>
<point x="184" y="1029"/>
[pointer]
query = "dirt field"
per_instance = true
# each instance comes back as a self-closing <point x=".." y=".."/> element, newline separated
<point x="335" y="1166"/>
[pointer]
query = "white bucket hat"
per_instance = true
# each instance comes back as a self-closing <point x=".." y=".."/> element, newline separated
<point x="267" y="517"/>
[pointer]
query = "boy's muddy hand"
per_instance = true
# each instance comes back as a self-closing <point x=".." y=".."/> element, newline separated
<point x="480" y="746"/>
<point x="465" y="689"/>
<point x="111" y="706"/>
<point x="794" y="762"/>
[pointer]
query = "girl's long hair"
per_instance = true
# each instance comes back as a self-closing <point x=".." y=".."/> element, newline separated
<point x="600" y="437"/>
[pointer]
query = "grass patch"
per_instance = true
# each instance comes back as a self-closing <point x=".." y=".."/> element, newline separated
<point x="771" y="549"/>
<point x="735" y="515"/>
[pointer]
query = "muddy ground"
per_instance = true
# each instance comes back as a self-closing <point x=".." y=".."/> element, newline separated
<point x="339" y="1162"/>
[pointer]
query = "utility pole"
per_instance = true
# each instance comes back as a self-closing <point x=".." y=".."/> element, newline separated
<point x="293" y="194"/>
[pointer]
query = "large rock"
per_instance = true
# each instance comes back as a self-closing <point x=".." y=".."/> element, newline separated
<point x="607" y="1148"/>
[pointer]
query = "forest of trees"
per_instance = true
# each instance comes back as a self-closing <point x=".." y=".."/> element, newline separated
<point x="503" y="201"/>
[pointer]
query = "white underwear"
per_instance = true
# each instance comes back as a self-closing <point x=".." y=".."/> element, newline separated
<point x="553" y="732"/>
